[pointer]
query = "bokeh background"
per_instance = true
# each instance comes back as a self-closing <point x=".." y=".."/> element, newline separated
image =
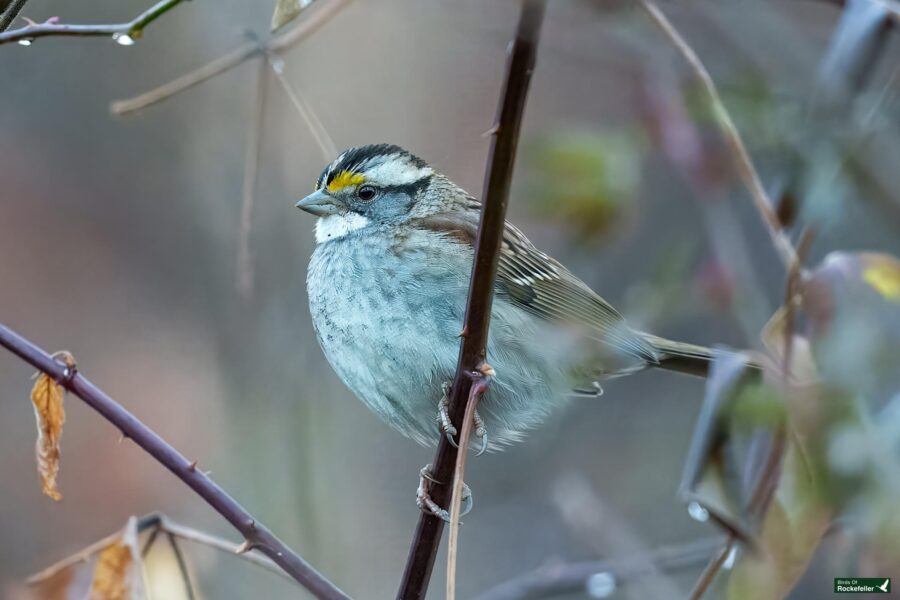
<point x="119" y="242"/>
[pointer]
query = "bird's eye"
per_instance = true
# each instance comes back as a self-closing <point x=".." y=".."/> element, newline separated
<point x="366" y="193"/>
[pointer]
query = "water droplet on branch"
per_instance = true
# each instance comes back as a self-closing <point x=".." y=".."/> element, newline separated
<point x="697" y="512"/>
<point x="123" y="39"/>
<point x="601" y="585"/>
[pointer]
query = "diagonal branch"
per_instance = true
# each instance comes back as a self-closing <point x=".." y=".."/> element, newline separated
<point x="478" y="308"/>
<point x="256" y="535"/>
<point x="133" y="28"/>
<point x="741" y="157"/>
<point x="574" y="578"/>
<point x="12" y="11"/>
<point x="319" y="14"/>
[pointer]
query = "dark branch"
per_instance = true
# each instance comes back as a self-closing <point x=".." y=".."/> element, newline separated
<point x="12" y="11"/>
<point x="257" y="536"/>
<point x="133" y="28"/>
<point x="481" y="287"/>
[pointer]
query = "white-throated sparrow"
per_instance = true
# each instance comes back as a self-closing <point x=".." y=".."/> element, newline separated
<point x="388" y="282"/>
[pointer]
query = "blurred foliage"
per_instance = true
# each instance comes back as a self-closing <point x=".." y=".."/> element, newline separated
<point x="587" y="181"/>
<point x="832" y="420"/>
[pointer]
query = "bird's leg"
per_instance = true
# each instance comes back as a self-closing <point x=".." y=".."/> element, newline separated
<point x="446" y="425"/>
<point x="427" y="505"/>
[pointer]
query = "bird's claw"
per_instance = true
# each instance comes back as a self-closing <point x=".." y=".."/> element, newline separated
<point x="429" y="506"/>
<point x="443" y="416"/>
<point x="447" y="427"/>
<point x="481" y="432"/>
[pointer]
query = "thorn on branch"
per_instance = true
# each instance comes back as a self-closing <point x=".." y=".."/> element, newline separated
<point x="246" y="546"/>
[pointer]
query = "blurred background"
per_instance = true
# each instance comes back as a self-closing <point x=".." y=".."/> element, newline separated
<point x="119" y="241"/>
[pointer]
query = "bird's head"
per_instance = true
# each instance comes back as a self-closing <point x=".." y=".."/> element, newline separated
<point x="376" y="184"/>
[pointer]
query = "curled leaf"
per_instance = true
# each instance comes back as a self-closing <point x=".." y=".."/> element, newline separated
<point x="47" y="398"/>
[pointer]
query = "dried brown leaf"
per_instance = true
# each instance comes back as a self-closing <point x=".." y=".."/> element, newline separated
<point x="110" y="569"/>
<point x="112" y="574"/>
<point x="286" y="11"/>
<point x="118" y="571"/>
<point x="47" y="398"/>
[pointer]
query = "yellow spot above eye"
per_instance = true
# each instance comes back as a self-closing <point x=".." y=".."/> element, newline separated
<point x="885" y="278"/>
<point x="344" y="179"/>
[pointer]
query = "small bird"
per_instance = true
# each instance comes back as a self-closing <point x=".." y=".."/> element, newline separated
<point x="388" y="283"/>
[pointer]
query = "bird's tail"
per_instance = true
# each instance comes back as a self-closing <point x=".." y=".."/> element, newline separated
<point x="684" y="358"/>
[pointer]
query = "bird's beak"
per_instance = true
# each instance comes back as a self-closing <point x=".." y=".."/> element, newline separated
<point x="320" y="204"/>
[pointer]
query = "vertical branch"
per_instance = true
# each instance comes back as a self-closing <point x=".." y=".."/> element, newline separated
<point x="251" y="173"/>
<point x="475" y="394"/>
<point x="481" y="286"/>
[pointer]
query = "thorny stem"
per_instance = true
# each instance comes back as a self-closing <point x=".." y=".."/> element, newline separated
<point x="426" y="539"/>
<point x="255" y="533"/>
<point x="134" y="28"/>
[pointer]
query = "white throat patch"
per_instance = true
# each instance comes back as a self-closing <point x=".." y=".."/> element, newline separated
<point x="333" y="227"/>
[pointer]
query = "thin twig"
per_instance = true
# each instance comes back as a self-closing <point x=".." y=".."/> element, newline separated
<point x="255" y="533"/>
<point x="742" y="161"/>
<point x="251" y="173"/>
<point x="475" y="394"/>
<point x="133" y="28"/>
<point x="572" y="578"/>
<point x="709" y="573"/>
<point x="206" y="539"/>
<point x="313" y="18"/>
<point x="478" y="306"/>
<point x="182" y="567"/>
<point x="320" y="134"/>
<point x="12" y="11"/>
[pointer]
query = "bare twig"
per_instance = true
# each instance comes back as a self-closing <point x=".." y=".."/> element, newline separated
<point x="478" y="307"/>
<point x="572" y="578"/>
<point x="319" y="133"/>
<point x="206" y="539"/>
<point x="475" y="394"/>
<point x="182" y="567"/>
<point x="313" y="18"/>
<point x="711" y="570"/>
<point x="9" y="15"/>
<point x="133" y="28"/>
<point x="251" y="172"/>
<point x="256" y="535"/>
<point x="742" y="160"/>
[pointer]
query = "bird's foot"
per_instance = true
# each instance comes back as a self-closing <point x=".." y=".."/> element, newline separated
<point x="447" y="427"/>
<point x="443" y="416"/>
<point x="429" y="506"/>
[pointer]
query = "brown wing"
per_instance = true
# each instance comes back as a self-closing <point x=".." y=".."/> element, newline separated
<point x="542" y="286"/>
